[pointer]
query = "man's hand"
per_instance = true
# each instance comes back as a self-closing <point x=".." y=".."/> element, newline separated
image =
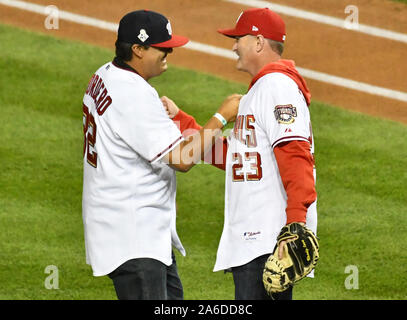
<point x="190" y="151"/>
<point x="230" y="107"/>
<point x="169" y="106"/>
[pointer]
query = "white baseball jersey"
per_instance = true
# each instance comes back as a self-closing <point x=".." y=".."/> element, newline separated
<point x="274" y="110"/>
<point x="128" y="193"/>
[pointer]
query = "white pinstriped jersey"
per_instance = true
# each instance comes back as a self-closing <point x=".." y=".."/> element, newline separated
<point x="273" y="111"/>
<point x="128" y="194"/>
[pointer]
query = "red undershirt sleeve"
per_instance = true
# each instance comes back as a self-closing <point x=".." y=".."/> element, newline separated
<point x="188" y="125"/>
<point x="296" y="165"/>
<point x="185" y="121"/>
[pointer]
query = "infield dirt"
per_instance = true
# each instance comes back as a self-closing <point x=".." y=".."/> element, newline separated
<point x="336" y="51"/>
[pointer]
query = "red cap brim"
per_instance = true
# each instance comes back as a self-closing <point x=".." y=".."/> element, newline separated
<point x="175" y="41"/>
<point x="230" y="32"/>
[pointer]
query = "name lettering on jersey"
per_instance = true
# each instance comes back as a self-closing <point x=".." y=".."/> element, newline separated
<point x="96" y="89"/>
<point x="244" y="130"/>
<point x="285" y="114"/>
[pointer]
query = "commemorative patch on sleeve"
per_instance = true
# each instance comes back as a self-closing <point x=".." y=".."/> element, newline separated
<point x="285" y="114"/>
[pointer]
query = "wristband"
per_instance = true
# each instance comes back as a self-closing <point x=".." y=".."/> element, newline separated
<point x="220" y="118"/>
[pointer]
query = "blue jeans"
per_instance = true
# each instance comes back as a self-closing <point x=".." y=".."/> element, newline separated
<point x="248" y="280"/>
<point x="147" y="279"/>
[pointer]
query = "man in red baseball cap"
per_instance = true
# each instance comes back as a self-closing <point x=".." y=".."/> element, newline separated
<point x="270" y="177"/>
<point x="257" y="25"/>
<point x="273" y="134"/>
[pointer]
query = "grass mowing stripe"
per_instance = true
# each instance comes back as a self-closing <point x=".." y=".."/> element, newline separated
<point x="361" y="165"/>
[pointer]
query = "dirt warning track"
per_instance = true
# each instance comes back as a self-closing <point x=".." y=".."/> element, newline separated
<point x="316" y="46"/>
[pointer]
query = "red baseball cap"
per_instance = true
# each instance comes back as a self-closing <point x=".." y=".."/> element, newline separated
<point x="258" y="21"/>
<point x="146" y="27"/>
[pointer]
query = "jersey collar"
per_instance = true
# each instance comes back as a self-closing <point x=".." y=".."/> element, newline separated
<point x="286" y="67"/>
<point x="119" y="63"/>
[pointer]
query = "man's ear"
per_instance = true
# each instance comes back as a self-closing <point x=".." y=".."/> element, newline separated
<point x="260" y="42"/>
<point x="138" y="50"/>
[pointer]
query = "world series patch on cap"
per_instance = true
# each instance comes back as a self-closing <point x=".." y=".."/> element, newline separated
<point x="148" y="28"/>
<point x="258" y="21"/>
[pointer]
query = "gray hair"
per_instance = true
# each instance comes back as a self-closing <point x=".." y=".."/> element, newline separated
<point x="277" y="47"/>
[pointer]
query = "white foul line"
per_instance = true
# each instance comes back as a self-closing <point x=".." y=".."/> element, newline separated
<point x="64" y="15"/>
<point x="320" y="18"/>
<point x="208" y="49"/>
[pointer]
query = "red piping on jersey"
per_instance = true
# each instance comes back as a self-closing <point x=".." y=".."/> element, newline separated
<point x="215" y="156"/>
<point x="289" y="137"/>
<point x="166" y="149"/>
<point x="286" y="67"/>
<point x="296" y="165"/>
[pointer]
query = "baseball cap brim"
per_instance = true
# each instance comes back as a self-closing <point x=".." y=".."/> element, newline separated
<point x="231" y="32"/>
<point x="175" y="41"/>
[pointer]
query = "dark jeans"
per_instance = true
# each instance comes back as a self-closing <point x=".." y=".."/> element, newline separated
<point x="147" y="279"/>
<point x="248" y="280"/>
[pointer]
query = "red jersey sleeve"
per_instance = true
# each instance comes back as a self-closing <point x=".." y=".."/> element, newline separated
<point x="188" y="125"/>
<point x="296" y="163"/>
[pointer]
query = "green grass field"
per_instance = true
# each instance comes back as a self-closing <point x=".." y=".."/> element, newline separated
<point x="361" y="183"/>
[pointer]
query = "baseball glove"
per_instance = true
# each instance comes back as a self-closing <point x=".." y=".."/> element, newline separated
<point x="299" y="258"/>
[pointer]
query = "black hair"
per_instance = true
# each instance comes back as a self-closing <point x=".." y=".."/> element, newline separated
<point x="123" y="50"/>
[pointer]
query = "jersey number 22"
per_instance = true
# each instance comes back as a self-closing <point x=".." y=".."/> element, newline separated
<point x="89" y="132"/>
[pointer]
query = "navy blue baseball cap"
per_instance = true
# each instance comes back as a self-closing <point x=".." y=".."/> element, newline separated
<point x="148" y="28"/>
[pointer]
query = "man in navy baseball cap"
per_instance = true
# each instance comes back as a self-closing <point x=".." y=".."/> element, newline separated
<point x="132" y="149"/>
<point x="144" y="39"/>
